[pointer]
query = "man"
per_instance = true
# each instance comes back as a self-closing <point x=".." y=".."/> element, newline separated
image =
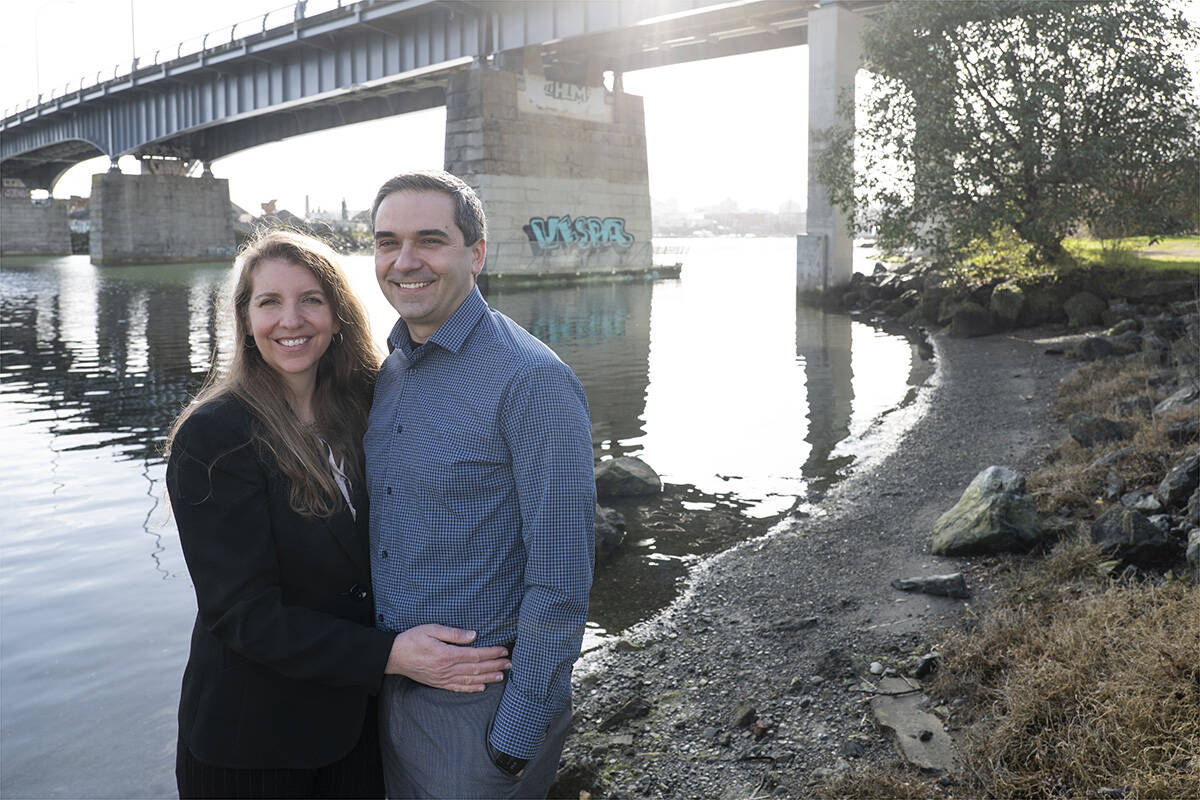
<point x="480" y="473"/>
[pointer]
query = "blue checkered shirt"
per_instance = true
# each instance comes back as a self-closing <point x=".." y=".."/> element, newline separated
<point x="480" y="473"/>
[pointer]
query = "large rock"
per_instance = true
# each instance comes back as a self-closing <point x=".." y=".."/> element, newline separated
<point x="1084" y="309"/>
<point x="1006" y="303"/>
<point x="1184" y="431"/>
<point x="1128" y="535"/>
<point x="969" y="319"/>
<point x="1186" y="396"/>
<point x="931" y="302"/>
<point x="626" y="476"/>
<point x="610" y="533"/>
<point x="1090" y="430"/>
<point x="994" y="515"/>
<point x="1093" y="348"/>
<point x="1180" y="482"/>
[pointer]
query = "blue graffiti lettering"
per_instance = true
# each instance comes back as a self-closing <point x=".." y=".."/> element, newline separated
<point x="547" y="234"/>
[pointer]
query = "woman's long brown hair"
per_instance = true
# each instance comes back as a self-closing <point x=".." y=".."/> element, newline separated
<point x="345" y="379"/>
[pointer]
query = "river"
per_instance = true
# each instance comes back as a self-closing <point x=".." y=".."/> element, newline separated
<point x="748" y="405"/>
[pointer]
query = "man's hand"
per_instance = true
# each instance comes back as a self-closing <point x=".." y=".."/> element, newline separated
<point x="435" y="655"/>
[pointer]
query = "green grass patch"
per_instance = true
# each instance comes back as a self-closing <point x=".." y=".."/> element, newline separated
<point x="1108" y="260"/>
<point x="1166" y="255"/>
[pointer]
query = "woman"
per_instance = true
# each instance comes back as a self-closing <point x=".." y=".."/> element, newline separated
<point x="265" y="480"/>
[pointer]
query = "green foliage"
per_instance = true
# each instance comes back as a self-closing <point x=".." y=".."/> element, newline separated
<point x="1033" y="116"/>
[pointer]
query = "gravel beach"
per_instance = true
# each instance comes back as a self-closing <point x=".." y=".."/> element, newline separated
<point x="749" y="684"/>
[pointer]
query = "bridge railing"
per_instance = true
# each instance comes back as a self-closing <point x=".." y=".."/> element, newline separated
<point x="166" y="52"/>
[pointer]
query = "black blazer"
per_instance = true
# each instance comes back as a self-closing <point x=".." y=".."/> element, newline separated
<point x="284" y="654"/>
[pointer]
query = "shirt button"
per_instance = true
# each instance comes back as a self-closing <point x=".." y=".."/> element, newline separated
<point x="380" y="617"/>
<point x="383" y="553"/>
<point x="389" y="490"/>
<point x="399" y="429"/>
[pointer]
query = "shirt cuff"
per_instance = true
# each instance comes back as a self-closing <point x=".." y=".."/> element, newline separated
<point x="521" y="723"/>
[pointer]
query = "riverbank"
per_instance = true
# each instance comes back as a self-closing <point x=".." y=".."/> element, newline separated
<point x="749" y="685"/>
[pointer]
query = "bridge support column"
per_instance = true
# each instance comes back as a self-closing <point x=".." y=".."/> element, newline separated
<point x="560" y="167"/>
<point x="159" y="219"/>
<point x="834" y="56"/>
<point x="33" y="228"/>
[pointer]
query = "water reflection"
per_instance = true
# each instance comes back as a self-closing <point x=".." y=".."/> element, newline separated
<point x="107" y="354"/>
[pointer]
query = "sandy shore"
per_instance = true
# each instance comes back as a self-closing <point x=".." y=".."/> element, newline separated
<point x="789" y="623"/>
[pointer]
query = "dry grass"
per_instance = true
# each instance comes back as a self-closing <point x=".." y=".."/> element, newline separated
<point x="1079" y="685"/>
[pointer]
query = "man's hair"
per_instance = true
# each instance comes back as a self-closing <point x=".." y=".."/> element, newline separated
<point x="468" y="211"/>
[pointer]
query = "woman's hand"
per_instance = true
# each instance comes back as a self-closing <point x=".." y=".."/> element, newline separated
<point x="435" y="655"/>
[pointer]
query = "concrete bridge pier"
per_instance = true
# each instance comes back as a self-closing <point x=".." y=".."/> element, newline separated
<point x="560" y="163"/>
<point x="32" y="227"/>
<point x="159" y="219"/>
<point x="824" y="257"/>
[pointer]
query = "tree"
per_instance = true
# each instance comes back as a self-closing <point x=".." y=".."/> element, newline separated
<point x="1034" y="116"/>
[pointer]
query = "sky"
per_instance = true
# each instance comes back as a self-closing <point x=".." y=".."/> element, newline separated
<point x="726" y="128"/>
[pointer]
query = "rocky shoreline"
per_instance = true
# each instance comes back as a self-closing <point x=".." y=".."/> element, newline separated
<point x="767" y="676"/>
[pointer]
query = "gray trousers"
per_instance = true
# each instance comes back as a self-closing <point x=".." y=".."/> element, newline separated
<point x="434" y="744"/>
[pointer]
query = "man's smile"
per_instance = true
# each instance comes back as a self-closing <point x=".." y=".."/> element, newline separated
<point x="415" y="285"/>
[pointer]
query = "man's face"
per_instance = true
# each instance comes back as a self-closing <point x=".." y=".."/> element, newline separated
<point x="423" y="266"/>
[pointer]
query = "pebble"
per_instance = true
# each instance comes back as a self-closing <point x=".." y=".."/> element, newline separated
<point x="876" y="668"/>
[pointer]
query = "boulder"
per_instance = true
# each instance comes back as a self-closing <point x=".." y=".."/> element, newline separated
<point x="1120" y="314"/>
<point x="1192" y="513"/>
<point x="1126" y="343"/>
<point x="931" y="303"/>
<point x="610" y="533"/>
<point x="1090" y="430"/>
<point x="1186" y="396"/>
<point x="1124" y="326"/>
<point x="995" y="514"/>
<point x="969" y="320"/>
<point x="1180" y="482"/>
<point x="1093" y="348"/>
<point x="1084" y="309"/>
<point x="1127" y="534"/>
<point x="1184" y="431"/>
<point x="1044" y="303"/>
<point x="1108" y="459"/>
<point x="1006" y="303"/>
<point x="1141" y="500"/>
<point x="625" y="476"/>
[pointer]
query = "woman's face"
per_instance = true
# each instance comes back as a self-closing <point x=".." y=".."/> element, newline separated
<point x="290" y="319"/>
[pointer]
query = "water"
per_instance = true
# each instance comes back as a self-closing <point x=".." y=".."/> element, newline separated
<point x="746" y="404"/>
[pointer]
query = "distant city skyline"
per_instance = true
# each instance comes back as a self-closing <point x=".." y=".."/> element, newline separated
<point x="727" y="128"/>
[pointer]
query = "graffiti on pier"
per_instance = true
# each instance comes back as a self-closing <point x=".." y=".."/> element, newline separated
<point x="547" y="234"/>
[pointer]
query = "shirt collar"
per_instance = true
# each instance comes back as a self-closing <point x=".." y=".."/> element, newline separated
<point x="452" y="333"/>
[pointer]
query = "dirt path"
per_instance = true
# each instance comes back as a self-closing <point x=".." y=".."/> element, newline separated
<point x="789" y="623"/>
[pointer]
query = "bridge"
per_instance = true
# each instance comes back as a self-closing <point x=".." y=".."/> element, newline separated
<point x="558" y="157"/>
